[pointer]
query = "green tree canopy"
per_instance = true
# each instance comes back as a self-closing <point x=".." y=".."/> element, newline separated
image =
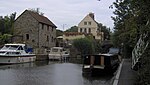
<point x="84" y="45"/>
<point x="72" y="29"/>
<point x="59" y="32"/>
<point x="6" y="23"/>
<point x="132" y="19"/>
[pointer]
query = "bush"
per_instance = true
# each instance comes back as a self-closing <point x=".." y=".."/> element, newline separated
<point x="84" y="45"/>
<point x="143" y="77"/>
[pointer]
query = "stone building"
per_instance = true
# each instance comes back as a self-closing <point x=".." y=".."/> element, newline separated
<point x="89" y="26"/>
<point x="35" y="30"/>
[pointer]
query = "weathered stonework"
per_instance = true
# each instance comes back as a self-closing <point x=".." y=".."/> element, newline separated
<point x="36" y="34"/>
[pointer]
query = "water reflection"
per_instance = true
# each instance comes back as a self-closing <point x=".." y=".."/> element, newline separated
<point x="48" y="73"/>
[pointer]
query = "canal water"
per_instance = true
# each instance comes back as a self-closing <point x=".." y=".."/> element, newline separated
<point x="48" y="73"/>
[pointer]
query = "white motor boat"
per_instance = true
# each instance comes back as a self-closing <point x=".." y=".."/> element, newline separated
<point x="15" y="53"/>
<point x="58" y="53"/>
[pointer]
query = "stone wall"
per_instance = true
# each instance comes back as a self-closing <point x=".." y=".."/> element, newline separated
<point x="36" y="35"/>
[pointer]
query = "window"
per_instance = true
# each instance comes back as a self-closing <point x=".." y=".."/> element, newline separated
<point x="52" y="39"/>
<point x="42" y="26"/>
<point x="20" y="48"/>
<point x="94" y="37"/>
<point x="89" y="30"/>
<point x="47" y="38"/>
<point x="89" y="23"/>
<point x="27" y="36"/>
<point x="52" y="29"/>
<point x="85" y="30"/>
<point x="47" y="28"/>
<point x="80" y="29"/>
<point x="85" y="23"/>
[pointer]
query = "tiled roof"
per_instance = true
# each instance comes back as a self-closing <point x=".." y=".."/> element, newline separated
<point x="73" y="33"/>
<point x="40" y="18"/>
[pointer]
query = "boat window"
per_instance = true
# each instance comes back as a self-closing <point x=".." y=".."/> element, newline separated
<point x="87" y="60"/>
<point x="8" y="53"/>
<point x="20" y="48"/>
<point x="5" y="47"/>
<point x="54" y="50"/>
<point x="64" y="49"/>
<point x="12" y="53"/>
<point x="61" y="50"/>
<point x="66" y="52"/>
<point x="17" y="52"/>
<point x="2" y="52"/>
<point x="97" y="60"/>
<point x="13" y="47"/>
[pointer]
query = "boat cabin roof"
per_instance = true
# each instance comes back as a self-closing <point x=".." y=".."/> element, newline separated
<point x="16" y="44"/>
<point x="105" y="55"/>
<point x="57" y="48"/>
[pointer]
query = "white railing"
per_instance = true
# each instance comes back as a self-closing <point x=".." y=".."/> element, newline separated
<point x="139" y="50"/>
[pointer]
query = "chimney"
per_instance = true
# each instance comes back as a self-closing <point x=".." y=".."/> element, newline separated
<point x="91" y="15"/>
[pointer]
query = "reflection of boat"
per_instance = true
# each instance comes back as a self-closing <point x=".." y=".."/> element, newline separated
<point x="58" y="53"/>
<point x="15" y="53"/>
<point x="100" y="63"/>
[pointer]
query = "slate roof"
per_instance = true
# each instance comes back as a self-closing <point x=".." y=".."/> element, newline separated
<point x="40" y="18"/>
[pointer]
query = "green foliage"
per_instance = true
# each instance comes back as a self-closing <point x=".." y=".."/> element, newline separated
<point x="131" y="20"/>
<point x="6" y="24"/>
<point x="59" y="32"/>
<point x="84" y="45"/>
<point x="5" y="38"/>
<point x="105" y="30"/>
<point x="125" y="26"/>
<point x="144" y="73"/>
<point x="72" y="29"/>
<point x="87" y="45"/>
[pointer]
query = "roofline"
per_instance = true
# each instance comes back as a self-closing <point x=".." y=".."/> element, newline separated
<point x="35" y="18"/>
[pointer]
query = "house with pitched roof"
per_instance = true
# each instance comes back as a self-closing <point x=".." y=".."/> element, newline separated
<point x="89" y="26"/>
<point x="35" y="30"/>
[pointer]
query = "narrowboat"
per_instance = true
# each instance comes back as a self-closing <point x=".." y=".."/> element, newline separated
<point x="100" y="63"/>
<point x="15" y="53"/>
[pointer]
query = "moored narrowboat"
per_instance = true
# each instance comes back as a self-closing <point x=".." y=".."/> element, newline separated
<point x="100" y="63"/>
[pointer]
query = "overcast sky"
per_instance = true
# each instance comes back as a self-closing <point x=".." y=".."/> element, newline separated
<point x="63" y="12"/>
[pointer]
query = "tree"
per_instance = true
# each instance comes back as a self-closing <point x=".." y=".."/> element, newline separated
<point x="6" y="24"/>
<point x="131" y="20"/>
<point x="72" y="29"/>
<point x="125" y="26"/>
<point x="84" y="45"/>
<point x="59" y="32"/>
<point x="6" y="38"/>
<point x="6" y="28"/>
<point x="105" y="30"/>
